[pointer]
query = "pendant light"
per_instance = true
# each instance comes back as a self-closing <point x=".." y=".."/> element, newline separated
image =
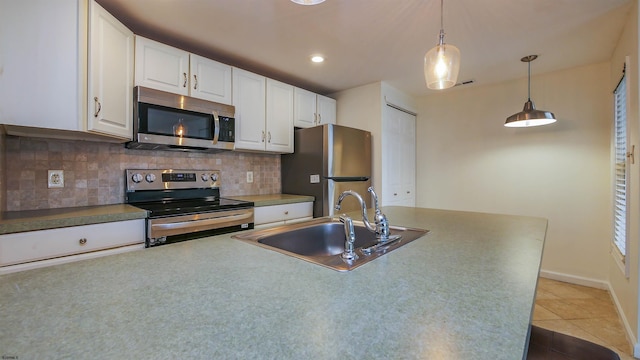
<point x="441" y="63"/>
<point x="529" y="116"/>
<point x="308" y="2"/>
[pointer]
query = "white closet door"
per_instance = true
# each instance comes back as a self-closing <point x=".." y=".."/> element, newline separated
<point x="398" y="158"/>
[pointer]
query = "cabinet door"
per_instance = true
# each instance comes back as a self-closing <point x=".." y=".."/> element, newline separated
<point x="161" y="66"/>
<point x="47" y="244"/>
<point x="304" y="108"/>
<point x="110" y="80"/>
<point x="326" y="110"/>
<point x="279" y="124"/>
<point x="41" y="46"/>
<point x="249" y="99"/>
<point x="210" y="80"/>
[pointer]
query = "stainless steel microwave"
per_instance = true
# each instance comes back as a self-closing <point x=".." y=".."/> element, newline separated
<point x="166" y="121"/>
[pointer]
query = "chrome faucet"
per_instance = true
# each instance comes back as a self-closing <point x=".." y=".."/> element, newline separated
<point x="381" y="224"/>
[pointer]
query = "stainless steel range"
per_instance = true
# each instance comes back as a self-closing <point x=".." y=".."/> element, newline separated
<point x="185" y="204"/>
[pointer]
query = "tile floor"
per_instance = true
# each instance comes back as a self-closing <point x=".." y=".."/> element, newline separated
<point x="580" y="311"/>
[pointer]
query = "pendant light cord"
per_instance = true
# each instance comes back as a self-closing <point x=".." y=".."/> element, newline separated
<point x="441" y="39"/>
<point x="529" y="82"/>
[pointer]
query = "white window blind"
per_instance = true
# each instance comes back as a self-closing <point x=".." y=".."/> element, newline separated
<point x="621" y="170"/>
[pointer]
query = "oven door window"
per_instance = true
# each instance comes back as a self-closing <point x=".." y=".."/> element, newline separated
<point x="161" y="120"/>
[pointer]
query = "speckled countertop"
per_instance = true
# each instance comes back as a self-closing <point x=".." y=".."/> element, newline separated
<point x="19" y="221"/>
<point x="273" y="199"/>
<point x="464" y="291"/>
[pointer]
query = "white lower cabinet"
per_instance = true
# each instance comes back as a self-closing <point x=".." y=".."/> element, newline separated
<point x="274" y="215"/>
<point x="26" y="250"/>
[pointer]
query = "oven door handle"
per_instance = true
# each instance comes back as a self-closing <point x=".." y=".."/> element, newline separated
<point x="205" y="222"/>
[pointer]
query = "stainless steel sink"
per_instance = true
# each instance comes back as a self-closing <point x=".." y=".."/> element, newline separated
<point x="321" y="241"/>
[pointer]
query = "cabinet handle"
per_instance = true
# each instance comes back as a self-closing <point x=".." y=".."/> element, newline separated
<point x="319" y="119"/>
<point x="185" y="80"/>
<point x="263" y="137"/>
<point x="395" y="194"/>
<point x="83" y="241"/>
<point x="269" y="137"/>
<point x="408" y="192"/>
<point x="315" y="119"/>
<point x="98" y="107"/>
<point x="195" y="82"/>
<point x="286" y="212"/>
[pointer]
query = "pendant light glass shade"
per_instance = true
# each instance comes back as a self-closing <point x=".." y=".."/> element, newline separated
<point x="529" y="116"/>
<point x="441" y="66"/>
<point x="308" y="2"/>
<point x="441" y="63"/>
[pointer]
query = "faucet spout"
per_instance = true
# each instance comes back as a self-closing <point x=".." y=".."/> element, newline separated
<point x="381" y="224"/>
<point x="363" y="206"/>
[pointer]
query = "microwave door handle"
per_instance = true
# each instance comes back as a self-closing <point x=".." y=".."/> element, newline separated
<point x="216" y="129"/>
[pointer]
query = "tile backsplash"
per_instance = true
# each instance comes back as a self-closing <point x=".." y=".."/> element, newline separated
<point x="94" y="171"/>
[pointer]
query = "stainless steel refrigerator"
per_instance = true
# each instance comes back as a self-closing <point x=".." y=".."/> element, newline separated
<point x="328" y="160"/>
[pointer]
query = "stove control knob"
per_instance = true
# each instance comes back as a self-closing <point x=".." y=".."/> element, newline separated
<point x="150" y="178"/>
<point x="214" y="177"/>
<point x="136" y="178"/>
<point x="205" y="177"/>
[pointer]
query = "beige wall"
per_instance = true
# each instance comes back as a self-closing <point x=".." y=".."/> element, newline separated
<point x="94" y="171"/>
<point x="363" y="108"/>
<point x="467" y="160"/>
<point x="625" y="289"/>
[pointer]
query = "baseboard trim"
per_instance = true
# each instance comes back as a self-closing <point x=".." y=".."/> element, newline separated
<point x="599" y="284"/>
<point x="578" y="280"/>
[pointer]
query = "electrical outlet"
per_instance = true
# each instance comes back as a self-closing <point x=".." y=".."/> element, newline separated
<point x="55" y="179"/>
<point x="249" y="176"/>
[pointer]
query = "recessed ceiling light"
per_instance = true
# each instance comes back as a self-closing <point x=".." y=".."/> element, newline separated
<point x="317" y="59"/>
<point x="308" y="2"/>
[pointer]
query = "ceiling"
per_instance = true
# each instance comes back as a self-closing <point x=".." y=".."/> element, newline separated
<point x="366" y="41"/>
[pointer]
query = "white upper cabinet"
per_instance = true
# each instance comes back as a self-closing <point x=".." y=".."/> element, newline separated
<point x="264" y="113"/>
<point x="210" y="80"/>
<point x="279" y="120"/>
<point x="44" y="83"/>
<point x="311" y="109"/>
<point x="110" y="75"/>
<point x="163" y="67"/>
<point x="249" y="98"/>
<point x="326" y="110"/>
<point x="305" y="108"/>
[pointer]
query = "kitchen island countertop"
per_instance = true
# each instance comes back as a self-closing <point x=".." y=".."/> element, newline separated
<point x="464" y="291"/>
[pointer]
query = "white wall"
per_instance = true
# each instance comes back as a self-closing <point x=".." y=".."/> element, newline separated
<point x="623" y="289"/>
<point x="467" y="160"/>
<point x="363" y="108"/>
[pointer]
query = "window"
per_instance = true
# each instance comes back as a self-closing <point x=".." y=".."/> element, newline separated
<point x="621" y="171"/>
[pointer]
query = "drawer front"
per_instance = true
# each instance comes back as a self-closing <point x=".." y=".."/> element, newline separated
<point x="274" y="213"/>
<point x="45" y="244"/>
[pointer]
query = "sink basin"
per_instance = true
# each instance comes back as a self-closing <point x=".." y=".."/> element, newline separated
<point x="321" y="241"/>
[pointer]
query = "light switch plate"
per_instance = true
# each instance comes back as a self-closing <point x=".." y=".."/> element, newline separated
<point x="55" y="179"/>
<point x="249" y="176"/>
<point x="314" y="179"/>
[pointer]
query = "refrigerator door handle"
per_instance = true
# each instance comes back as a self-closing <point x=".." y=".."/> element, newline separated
<point x="346" y="179"/>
